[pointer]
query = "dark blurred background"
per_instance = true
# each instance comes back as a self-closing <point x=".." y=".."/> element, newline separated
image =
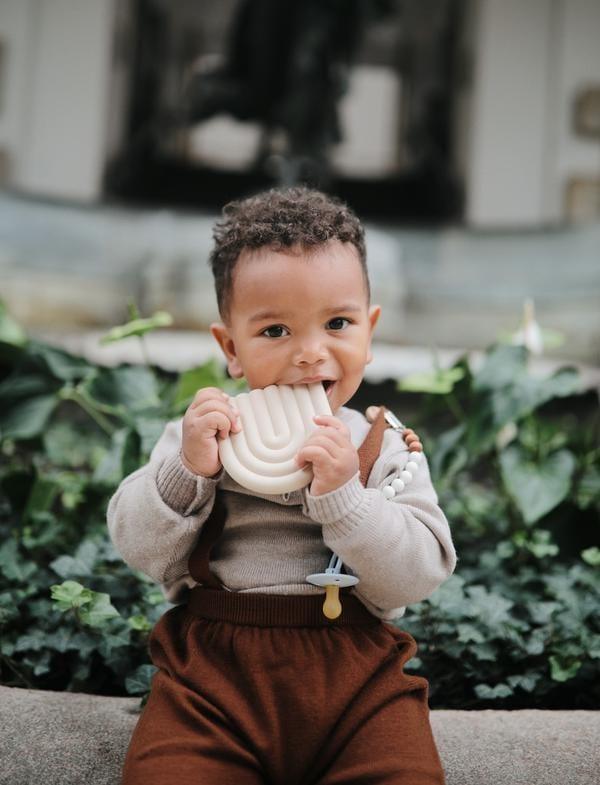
<point x="465" y="132"/>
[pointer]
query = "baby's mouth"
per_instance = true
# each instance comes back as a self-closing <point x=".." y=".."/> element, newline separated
<point x="328" y="386"/>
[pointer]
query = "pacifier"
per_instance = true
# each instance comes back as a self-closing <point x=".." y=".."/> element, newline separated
<point x="332" y="579"/>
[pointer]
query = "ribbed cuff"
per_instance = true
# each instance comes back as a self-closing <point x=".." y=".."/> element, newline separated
<point x="176" y="484"/>
<point x="335" y="505"/>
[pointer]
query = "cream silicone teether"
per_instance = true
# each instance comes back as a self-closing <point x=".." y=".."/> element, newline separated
<point x="275" y="423"/>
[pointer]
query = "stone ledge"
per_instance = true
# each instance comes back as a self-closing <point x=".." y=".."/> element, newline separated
<point x="63" y="738"/>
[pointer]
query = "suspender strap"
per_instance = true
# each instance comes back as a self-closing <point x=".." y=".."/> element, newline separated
<point x="369" y="450"/>
<point x="198" y="563"/>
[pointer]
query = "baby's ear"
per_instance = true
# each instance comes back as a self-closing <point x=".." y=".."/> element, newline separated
<point x="374" y="314"/>
<point x="221" y="334"/>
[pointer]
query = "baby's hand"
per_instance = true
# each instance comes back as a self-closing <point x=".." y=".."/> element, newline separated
<point x="333" y="456"/>
<point x="210" y="414"/>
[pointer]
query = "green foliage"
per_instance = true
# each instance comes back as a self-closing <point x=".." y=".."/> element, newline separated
<point x="138" y="327"/>
<point x="514" y="459"/>
<point x="73" y="616"/>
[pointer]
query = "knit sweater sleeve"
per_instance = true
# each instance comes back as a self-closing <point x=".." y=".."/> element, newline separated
<point x="400" y="548"/>
<point x="156" y="513"/>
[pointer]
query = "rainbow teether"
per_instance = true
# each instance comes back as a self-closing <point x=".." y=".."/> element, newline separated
<point x="276" y="422"/>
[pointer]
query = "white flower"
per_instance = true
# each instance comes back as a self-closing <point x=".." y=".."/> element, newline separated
<point x="530" y="334"/>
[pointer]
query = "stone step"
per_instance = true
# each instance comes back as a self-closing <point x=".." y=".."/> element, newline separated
<point x="62" y="738"/>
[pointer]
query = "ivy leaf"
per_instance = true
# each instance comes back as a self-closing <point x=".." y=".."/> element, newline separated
<point x="33" y="641"/>
<point x="485" y="692"/>
<point x="70" y="594"/>
<point x="26" y="419"/>
<point x="70" y="446"/>
<point x="62" y="365"/>
<point x="542" y="612"/>
<point x="489" y="606"/>
<point x="140" y="623"/>
<point x="21" y="385"/>
<point x="139" y="682"/>
<point x="588" y="488"/>
<point x="61" y="640"/>
<point x="536" y="488"/>
<point x="468" y="633"/>
<point x="13" y="566"/>
<point x="41" y="497"/>
<point x="446" y="449"/>
<point x="123" y="390"/>
<point x="449" y="597"/>
<point x="81" y="565"/>
<point x="149" y="430"/>
<point x="209" y="374"/>
<point x="111" y="642"/>
<point x="527" y="682"/>
<point x="591" y="556"/>
<point x="99" y="610"/>
<point x="537" y="542"/>
<point x="560" y="672"/>
<point x="121" y="459"/>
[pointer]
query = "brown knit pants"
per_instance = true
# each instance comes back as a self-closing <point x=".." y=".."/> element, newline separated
<point x="259" y="688"/>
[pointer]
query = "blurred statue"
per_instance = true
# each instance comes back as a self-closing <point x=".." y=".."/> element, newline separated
<point x="286" y="67"/>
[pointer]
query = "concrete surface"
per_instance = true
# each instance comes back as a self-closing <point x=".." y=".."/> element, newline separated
<point x="58" y="738"/>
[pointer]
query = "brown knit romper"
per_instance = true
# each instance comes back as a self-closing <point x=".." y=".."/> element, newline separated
<point x="263" y="688"/>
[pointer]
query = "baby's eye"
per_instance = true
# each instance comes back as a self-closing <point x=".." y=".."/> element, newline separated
<point x="265" y="332"/>
<point x="337" y="320"/>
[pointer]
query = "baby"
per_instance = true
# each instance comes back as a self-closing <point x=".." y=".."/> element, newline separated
<point x="254" y="683"/>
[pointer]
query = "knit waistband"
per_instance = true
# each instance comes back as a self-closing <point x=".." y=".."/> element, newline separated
<point x="275" y="610"/>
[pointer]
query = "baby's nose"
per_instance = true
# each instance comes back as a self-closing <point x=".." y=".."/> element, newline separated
<point x="311" y="352"/>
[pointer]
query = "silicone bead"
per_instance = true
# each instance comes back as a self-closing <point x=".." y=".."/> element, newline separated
<point x="412" y="467"/>
<point x="388" y="492"/>
<point x="398" y="485"/>
<point x="406" y="476"/>
<point x="371" y="413"/>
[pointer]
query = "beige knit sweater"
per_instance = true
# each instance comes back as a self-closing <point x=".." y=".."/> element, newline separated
<point x="400" y="548"/>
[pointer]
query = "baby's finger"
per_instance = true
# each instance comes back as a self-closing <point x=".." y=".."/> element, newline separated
<point x="216" y="422"/>
<point x="332" y="440"/>
<point x="205" y="407"/>
<point x="340" y="438"/>
<point x="333" y="422"/>
<point x="208" y="394"/>
<point x="311" y="452"/>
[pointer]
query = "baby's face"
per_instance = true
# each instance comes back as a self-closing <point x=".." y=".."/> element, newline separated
<point x="300" y="317"/>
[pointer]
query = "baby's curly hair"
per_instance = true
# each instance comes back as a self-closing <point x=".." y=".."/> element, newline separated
<point x="279" y="219"/>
